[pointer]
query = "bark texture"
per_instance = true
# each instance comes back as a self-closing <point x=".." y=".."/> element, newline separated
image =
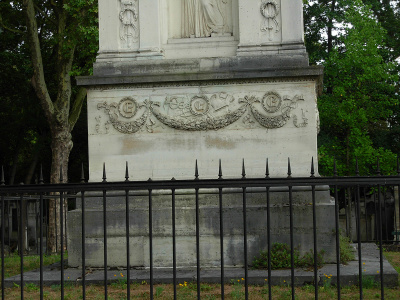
<point x="60" y="117"/>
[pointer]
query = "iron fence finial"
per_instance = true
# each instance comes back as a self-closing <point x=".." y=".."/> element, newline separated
<point x="126" y="172"/>
<point x="196" y="172"/>
<point x="2" y="181"/>
<point x="266" y="169"/>
<point x="289" y="169"/>
<point x="41" y="175"/>
<point x="378" y="168"/>
<point x="82" y="174"/>
<point x="220" y="170"/>
<point x="61" y="174"/>
<point x="312" y="168"/>
<point x="104" y="173"/>
<point x="357" y="168"/>
<point x="243" y="170"/>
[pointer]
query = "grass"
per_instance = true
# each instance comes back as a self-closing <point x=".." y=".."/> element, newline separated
<point x="188" y="290"/>
<point x="12" y="263"/>
<point x="213" y="291"/>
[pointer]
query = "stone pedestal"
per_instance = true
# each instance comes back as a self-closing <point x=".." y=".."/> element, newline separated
<point x="257" y="237"/>
<point x="236" y="84"/>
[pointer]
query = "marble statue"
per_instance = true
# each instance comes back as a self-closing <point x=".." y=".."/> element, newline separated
<point x="201" y="18"/>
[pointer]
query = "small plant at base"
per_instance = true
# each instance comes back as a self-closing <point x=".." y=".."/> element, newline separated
<point x="369" y="282"/>
<point x="237" y="292"/>
<point x="346" y="251"/>
<point x="159" y="291"/>
<point x="281" y="258"/>
<point x="31" y="287"/>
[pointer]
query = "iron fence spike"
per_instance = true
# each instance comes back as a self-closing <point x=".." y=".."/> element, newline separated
<point x="41" y="175"/>
<point x="378" y="168"/>
<point x="289" y="169"/>
<point x="104" y="173"/>
<point x="61" y="174"/>
<point x="2" y="181"/>
<point x="334" y="167"/>
<point x="357" y="169"/>
<point x="82" y="174"/>
<point x="266" y="169"/>
<point x="196" y="171"/>
<point x="312" y="167"/>
<point x="243" y="170"/>
<point x="126" y="172"/>
<point x="398" y="166"/>
<point x="220" y="170"/>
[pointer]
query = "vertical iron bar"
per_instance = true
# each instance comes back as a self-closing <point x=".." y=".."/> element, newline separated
<point x="151" y="242"/>
<point x="337" y="232"/>
<point x="268" y="232"/>
<point x="398" y="197"/>
<point x="358" y="224"/>
<point x="41" y="244"/>
<point x="83" y="247"/>
<point x="380" y="241"/>
<point x="174" y="242"/>
<point x="246" y="271"/>
<point x="196" y="175"/>
<point x="105" y="233"/>
<point x="127" y="223"/>
<point x="62" y="233"/>
<point x="365" y="216"/>
<point x="291" y="232"/>
<point x="62" y="242"/>
<point x="291" y="241"/>
<point x="21" y="245"/>
<point x="2" y="235"/>
<point x="314" y="232"/>
<point x="105" y="242"/>
<point x="221" y="233"/>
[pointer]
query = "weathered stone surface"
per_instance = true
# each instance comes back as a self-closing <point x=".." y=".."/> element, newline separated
<point x="209" y="227"/>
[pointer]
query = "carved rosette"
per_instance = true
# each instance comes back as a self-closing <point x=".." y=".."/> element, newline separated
<point x="202" y="113"/>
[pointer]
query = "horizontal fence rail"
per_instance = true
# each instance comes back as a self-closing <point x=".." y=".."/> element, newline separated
<point x="365" y="208"/>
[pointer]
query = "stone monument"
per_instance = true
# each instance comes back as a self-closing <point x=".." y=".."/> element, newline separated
<point x="179" y="80"/>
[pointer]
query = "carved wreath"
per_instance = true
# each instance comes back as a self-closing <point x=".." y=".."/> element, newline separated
<point x="129" y="108"/>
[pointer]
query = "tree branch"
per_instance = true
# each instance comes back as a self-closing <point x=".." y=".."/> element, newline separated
<point x="8" y="28"/>
<point x="38" y="80"/>
<point x="45" y="15"/>
<point x="77" y="107"/>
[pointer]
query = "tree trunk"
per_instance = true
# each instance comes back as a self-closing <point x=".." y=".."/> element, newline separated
<point x="61" y="147"/>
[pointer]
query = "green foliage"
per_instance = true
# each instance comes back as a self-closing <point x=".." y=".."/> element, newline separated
<point x="360" y="97"/>
<point x="369" y="282"/>
<point x="281" y="258"/>
<point x="346" y="250"/>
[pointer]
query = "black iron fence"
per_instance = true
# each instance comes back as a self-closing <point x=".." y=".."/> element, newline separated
<point x="364" y="208"/>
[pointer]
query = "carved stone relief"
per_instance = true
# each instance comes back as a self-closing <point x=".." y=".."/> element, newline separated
<point x="129" y="23"/>
<point x="204" y="18"/>
<point x="114" y="112"/>
<point x="202" y="112"/>
<point x="270" y="10"/>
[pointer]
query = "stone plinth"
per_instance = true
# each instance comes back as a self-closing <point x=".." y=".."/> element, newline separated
<point x="257" y="238"/>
